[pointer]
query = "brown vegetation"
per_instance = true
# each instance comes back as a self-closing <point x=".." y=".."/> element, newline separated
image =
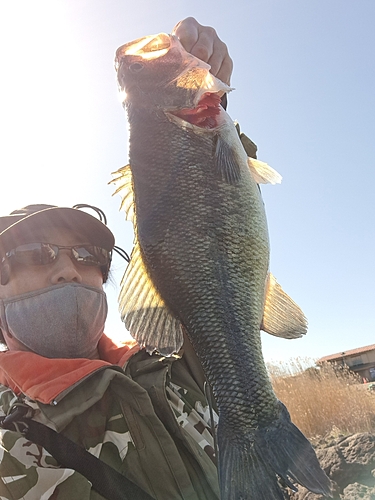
<point x="323" y="399"/>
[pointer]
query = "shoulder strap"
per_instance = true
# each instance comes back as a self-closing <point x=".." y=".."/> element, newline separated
<point x="105" y="480"/>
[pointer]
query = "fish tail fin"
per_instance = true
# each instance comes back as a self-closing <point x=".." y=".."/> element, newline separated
<point x="243" y="473"/>
<point x="249" y="465"/>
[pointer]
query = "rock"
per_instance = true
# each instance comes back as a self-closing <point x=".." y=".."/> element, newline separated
<point x="350" y="462"/>
<point x="358" y="491"/>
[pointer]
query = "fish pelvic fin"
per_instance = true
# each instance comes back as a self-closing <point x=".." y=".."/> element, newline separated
<point x="249" y="146"/>
<point x="282" y="317"/>
<point x="142" y="309"/>
<point x="249" y="465"/>
<point x="263" y="173"/>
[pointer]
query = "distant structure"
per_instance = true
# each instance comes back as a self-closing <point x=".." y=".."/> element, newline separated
<point x="360" y="361"/>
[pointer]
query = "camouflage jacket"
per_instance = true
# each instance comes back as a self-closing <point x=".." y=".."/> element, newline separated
<point x="146" y="416"/>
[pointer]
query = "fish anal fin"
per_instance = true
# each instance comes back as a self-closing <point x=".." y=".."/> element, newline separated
<point x="227" y="164"/>
<point x="144" y="312"/>
<point x="282" y="317"/>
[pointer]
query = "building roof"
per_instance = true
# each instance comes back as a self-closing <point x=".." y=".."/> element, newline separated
<point x="344" y="354"/>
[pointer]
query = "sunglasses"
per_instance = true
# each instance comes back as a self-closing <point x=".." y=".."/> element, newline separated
<point x="40" y="254"/>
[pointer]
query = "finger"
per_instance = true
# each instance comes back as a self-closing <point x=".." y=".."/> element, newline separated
<point x="221" y="63"/>
<point x="187" y="31"/>
<point x="225" y="71"/>
<point x="205" y="44"/>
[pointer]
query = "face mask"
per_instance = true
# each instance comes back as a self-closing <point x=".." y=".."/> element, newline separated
<point x="61" y="321"/>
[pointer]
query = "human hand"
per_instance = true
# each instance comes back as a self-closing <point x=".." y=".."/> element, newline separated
<point x="204" y="43"/>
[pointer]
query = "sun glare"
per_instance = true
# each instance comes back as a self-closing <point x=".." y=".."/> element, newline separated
<point x="46" y="113"/>
<point x="148" y="47"/>
<point x="122" y="95"/>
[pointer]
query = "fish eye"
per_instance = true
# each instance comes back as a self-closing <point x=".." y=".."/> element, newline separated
<point x="136" y="67"/>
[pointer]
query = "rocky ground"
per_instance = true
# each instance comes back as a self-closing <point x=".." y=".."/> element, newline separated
<point x="350" y="462"/>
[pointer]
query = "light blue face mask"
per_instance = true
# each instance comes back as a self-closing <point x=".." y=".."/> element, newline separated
<point x="60" y="321"/>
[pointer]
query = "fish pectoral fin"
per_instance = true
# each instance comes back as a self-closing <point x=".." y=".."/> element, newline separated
<point x="144" y="312"/>
<point x="124" y="186"/>
<point x="282" y="317"/>
<point x="226" y="163"/>
<point x="263" y="173"/>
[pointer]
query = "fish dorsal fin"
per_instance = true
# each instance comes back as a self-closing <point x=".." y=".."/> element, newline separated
<point x="227" y="164"/>
<point x="282" y="317"/>
<point x="143" y="311"/>
<point x="124" y="186"/>
<point x="263" y="173"/>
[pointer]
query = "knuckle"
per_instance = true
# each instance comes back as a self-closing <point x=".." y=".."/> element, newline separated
<point x="210" y="31"/>
<point x="224" y="47"/>
<point x="190" y="19"/>
<point x="201" y="52"/>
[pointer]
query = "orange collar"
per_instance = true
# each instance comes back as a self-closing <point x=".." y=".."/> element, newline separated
<point x="43" y="379"/>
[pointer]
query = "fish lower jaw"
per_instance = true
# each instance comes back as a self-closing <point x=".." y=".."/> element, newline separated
<point x="206" y="114"/>
<point x="186" y="125"/>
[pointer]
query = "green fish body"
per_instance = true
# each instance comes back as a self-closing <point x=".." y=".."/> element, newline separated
<point x="201" y="259"/>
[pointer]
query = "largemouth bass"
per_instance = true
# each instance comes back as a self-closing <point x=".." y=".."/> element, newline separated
<point x="200" y="261"/>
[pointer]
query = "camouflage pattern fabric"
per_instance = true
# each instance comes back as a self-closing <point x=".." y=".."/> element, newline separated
<point x="149" y="421"/>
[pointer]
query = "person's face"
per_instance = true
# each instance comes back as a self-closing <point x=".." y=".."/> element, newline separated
<point x="64" y="269"/>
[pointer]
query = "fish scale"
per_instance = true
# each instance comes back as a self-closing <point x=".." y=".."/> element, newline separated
<point x="195" y="259"/>
<point x="200" y="263"/>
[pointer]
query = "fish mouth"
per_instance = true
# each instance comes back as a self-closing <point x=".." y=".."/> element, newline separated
<point x="205" y="114"/>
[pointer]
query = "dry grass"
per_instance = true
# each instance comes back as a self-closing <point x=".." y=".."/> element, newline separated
<point x="322" y="400"/>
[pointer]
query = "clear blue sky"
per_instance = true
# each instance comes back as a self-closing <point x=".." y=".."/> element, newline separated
<point x="304" y="77"/>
